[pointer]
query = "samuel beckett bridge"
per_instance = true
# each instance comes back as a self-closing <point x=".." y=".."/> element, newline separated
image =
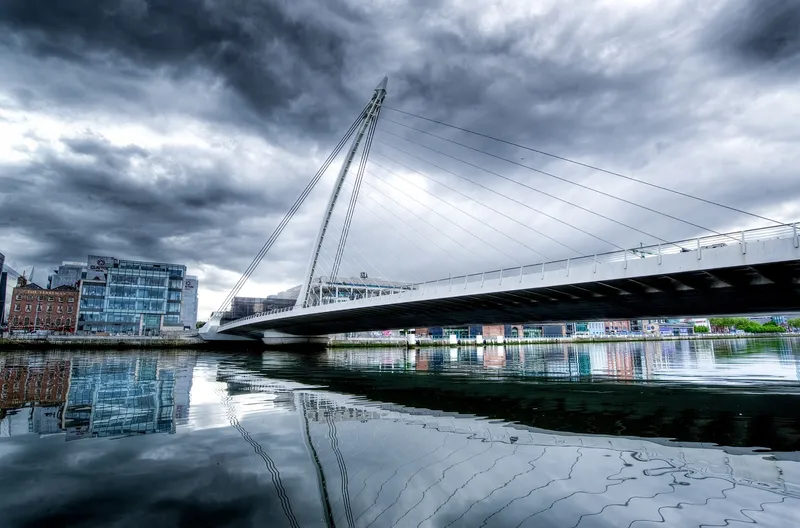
<point x="577" y="264"/>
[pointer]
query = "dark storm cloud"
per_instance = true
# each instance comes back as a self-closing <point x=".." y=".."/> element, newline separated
<point x="764" y="31"/>
<point x="126" y="199"/>
<point x="264" y="52"/>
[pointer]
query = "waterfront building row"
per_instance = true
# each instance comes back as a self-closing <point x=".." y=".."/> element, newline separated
<point x="108" y="296"/>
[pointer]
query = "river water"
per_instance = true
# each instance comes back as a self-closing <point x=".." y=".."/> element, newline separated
<point x="694" y="433"/>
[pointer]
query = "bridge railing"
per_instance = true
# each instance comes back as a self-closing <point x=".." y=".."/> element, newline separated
<point x="518" y="273"/>
<point x="740" y="238"/>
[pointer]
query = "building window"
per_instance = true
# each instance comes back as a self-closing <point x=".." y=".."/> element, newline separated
<point x="16" y="307"/>
<point x="58" y="322"/>
<point x="27" y="321"/>
<point x="29" y="298"/>
<point x="50" y="298"/>
<point x="69" y="321"/>
<point x="47" y="322"/>
<point x="28" y="308"/>
<point x="61" y="299"/>
<point x="49" y="308"/>
<point x="38" y="307"/>
<point x="39" y="298"/>
<point x="16" y="319"/>
<point x="60" y="309"/>
<point x="71" y="300"/>
<point x="69" y="309"/>
<point x="18" y="297"/>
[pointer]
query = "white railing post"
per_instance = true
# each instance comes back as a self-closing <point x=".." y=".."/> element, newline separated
<point x="466" y="278"/>
<point x="625" y="252"/>
<point x="542" y="270"/>
<point x="501" y="277"/>
<point x="795" y="236"/>
<point x="450" y="283"/>
<point x="595" y="264"/>
<point x="520" y="273"/>
<point x="659" y="253"/>
<point x="744" y="244"/>
<point x="699" y="250"/>
<point x="483" y="278"/>
<point x="568" y="267"/>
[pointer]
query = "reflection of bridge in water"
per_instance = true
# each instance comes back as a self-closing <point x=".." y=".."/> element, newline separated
<point x="390" y="465"/>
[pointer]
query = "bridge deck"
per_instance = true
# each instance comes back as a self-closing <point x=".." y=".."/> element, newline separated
<point x="747" y="272"/>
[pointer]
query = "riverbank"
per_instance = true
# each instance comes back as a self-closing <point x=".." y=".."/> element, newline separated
<point x="378" y="342"/>
<point x="100" y="342"/>
<point x="193" y="342"/>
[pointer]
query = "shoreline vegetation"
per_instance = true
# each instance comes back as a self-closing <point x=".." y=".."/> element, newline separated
<point x="138" y="342"/>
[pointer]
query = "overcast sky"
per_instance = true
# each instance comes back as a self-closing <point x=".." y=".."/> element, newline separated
<point x="183" y="131"/>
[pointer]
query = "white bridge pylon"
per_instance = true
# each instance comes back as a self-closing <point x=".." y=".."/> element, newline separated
<point x="365" y="131"/>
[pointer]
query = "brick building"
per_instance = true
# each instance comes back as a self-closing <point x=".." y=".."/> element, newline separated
<point x="34" y="308"/>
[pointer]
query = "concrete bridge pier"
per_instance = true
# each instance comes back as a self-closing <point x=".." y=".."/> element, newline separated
<point x="275" y="338"/>
<point x="208" y="332"/>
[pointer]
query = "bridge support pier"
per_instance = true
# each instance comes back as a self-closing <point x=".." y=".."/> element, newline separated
<point x="275" y="338"/>
<point x="209" y="332"/>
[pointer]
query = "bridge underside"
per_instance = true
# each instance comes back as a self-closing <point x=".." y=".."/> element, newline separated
<point x="761" y="288"/>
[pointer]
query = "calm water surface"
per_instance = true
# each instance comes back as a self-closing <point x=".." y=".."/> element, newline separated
<point x="701" y="433"/>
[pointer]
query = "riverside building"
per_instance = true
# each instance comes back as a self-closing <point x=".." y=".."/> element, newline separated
<point x="189" y="302"/>
<point x="131" y="297"/>
<point x="36" y="309"/>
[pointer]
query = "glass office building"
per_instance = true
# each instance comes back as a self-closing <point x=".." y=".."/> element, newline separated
<point x="130" y="297"/>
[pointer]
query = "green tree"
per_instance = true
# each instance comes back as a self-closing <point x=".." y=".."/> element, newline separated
<point x="746" y="325"/>
<point x="701" y="329"/>
<point x="794" y="323"/>
<point x="199" y="324"/>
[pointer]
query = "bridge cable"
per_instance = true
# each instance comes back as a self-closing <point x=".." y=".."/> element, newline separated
<point x="426" y="237"/>
<point x="457" y="208"/>
<point x="556" y="197"/>
<point x="399" y="232"/>
<point x="326" y="259"/>
<point x="459" y="244"/>
<point x="449" y="220"/>
<point x="366" y="259"/>
<point x="526" y="226"/>
<point x="388" y="250"/>
<point x="354" y="195"/>
<point x="588" y="166"/>
<point x="508" y="197"/>
<point x="290" y="214"/>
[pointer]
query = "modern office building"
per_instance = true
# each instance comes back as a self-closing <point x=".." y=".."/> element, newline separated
<point x="67" y="274"/>
<point x="131" y="297"/>
<point x="189" y="302"/>
<point x="36" y="309"/>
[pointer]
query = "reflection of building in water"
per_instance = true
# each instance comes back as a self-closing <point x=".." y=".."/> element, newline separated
<point x="31" y="395"/>
<point x="41" y="382"/>
<point x="94" y="395"/>
<point x="120" y="397"/>
<point x="318" y="408"/>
